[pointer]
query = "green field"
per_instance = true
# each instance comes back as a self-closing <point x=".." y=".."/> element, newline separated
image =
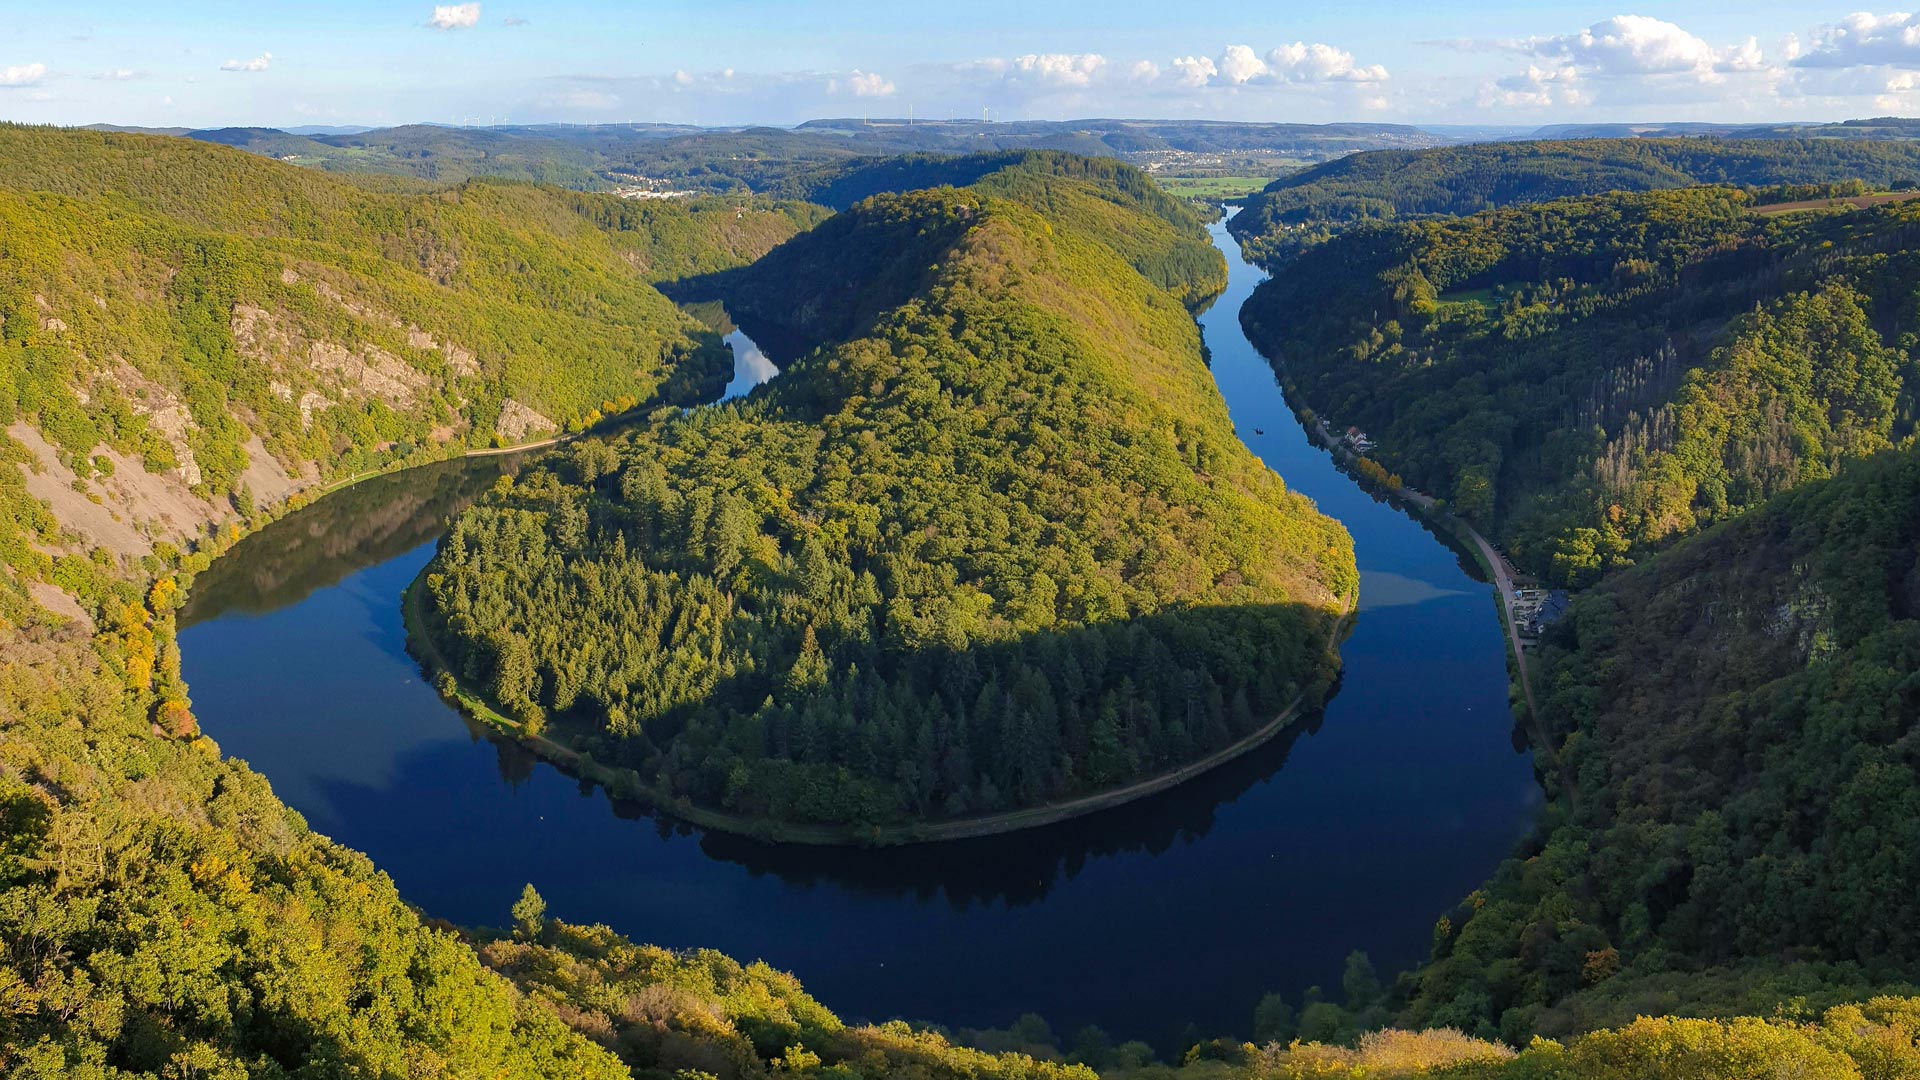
<point x="1482" y="298"/>
<point x="1213" y="187"/>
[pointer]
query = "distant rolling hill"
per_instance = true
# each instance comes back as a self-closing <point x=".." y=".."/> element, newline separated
<point x="766" y="159"/>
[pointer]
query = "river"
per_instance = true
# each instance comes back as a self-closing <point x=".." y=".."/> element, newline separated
<point x="1356" y="831"/>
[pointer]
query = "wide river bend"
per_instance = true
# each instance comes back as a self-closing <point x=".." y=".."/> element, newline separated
<point x="1357" y="831"/>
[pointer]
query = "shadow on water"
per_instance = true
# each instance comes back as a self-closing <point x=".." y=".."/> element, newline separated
<point x="317" y="547"/>
<point x="1013" y="869"/>
<point x="1022" y="868"/>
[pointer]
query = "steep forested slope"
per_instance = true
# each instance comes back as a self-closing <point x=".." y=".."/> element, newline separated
<point x="1593" y="377"/>
<point x="1300" y="210"/>
<point x="186" y="329"/>
<point x="990" y="544"/>
<point x="1739" y="717"/>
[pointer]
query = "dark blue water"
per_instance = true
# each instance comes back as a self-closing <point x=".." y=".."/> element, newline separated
<point x="1355" y="833"/>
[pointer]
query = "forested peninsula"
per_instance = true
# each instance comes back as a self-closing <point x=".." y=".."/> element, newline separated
<point x="988" y="543"/>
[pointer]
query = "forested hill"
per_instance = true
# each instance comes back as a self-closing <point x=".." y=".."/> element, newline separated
<point x="991" y="544"/>
<point x="1740" y="715"/>
<point x="1103" y="200"/>
<point x="1304" y="208"/>
<point x="1590" y="379"/>
<point x="188" y="332"/>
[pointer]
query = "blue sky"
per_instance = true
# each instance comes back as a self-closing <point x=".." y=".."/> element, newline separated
<point x="278" y="63"/>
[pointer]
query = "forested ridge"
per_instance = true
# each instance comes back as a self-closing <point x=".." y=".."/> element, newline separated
<point x="1590" y="379"/>
<point x="1739" y="717"/>
<point x="990" y="544"/>
<point x="1303" y="209"/>
<point x="1706" y="416"/>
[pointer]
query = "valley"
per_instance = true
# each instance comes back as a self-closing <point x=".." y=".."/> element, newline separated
<point x="912" y="570"/>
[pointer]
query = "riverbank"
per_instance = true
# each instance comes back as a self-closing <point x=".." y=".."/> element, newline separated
<point x="1491" y="563"/>
<point x="624" y="783"/>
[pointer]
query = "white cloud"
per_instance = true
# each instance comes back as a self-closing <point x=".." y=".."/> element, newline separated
<point x="1240" y="64"/>
<point x="1301" y="62"/>
<point x="258" y="63"/>
<point x="1632" y="45"/>
<point x="513" y="20"/>
<point x="116" y="75"/>
<point x="1143" y="71"/>
<point x="454" y="16"/>
<point x="1863" y="39"/>
<point x="1636" y="60"/>
<point x="1535" y="88"/>
<point x="1193" y="71"/>
<point x="1044" y="70"/>
<point x="23" y="75"/>
<point x="858" y="83"/>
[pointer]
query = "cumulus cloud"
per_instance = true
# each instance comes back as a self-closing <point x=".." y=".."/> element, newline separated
<point x="117" y="75"/>
<point x="1632" y="44"/>
<point x="1237" y="67"/>
<point x="1239" y="64"/>
<point x="1639" y="45"/>
<point x="1043" y="70"/>
<point x="23" y="75"/>
<point x="1298" y="63"/>
<point x="859" y="84"/>
<point x="258" y="63"/>
<point x="454" y="16"/>
<point x="1301" y="62"/>
<point x="1862" y="40"/>
<point x="1193" y="71"/>
<point x="1535" y="88"/>
<point x="513" y="20"/>
<point x="1636" y="60"/>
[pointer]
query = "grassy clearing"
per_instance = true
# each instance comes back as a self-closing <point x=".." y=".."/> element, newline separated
<point x="1214" y="187"/>
<point x="1481" y="298"/>
<point x="1850" y="202"/>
